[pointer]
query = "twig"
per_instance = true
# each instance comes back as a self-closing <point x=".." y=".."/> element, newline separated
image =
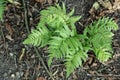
<point x="50" y="74"/>
<point x="36" y="50"/>
<point x="25" y="14"/>
<point x="105" y="75"/>
<point x="1" y="29"/>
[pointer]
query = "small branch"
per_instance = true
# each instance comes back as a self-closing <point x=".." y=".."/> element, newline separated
<point x="105" y="75"/>
<point x="1" y="30"/>
<point x="25" y="14"/>
<point x="50" y="74"/>
<point x="36" y="50"/>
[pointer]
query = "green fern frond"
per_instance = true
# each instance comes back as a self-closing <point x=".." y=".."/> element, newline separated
<point x="2" y="8"/>
<point x="74" y="61"/>
<point x="61" y="47"/>
<point x="71" y="49"/>
<point x="102" y="55"/>
<point x="109" y="24"/>
<point x="57" y="17"/>
<point x="105" y="23"/>
<point x="38" y="37"/>
<point x="100" y="37"/>
<point x="71" y="13"/>
<point x="53" y="19"/>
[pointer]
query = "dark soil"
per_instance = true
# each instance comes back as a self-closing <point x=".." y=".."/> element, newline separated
<point x="20" y="62"/>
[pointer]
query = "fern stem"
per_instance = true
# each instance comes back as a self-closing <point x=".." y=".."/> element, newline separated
<point x="36" y="50"/>
<point x="2" y="34"/>
<point x="50" y="74"/>
<point x="25" y="14"/>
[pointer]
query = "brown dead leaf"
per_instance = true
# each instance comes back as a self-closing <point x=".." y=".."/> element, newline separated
<point x="9" y="28"/>
<point x="41" y="78"/>
<point x="92" y="72"/>
<point x="75" y="76"/>
<point x="26" y="74"/>
<point x="46" y="1"/>
<point x="106" y="3"/>
<point x="50" y="1"/>
<point x="37" y="68"/>
<point x="62" y="74"/>
<point x="116" y="5"/>
<point x="41" y="1"/>
<point x="9" y="37"/>
<point x="111" y="8"/>
<point x="115" y="56"/>
<point x="94" y="64"/>
<point x="90" y="60"/>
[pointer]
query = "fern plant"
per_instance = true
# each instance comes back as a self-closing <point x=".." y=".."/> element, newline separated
<point x="56" y="30"/>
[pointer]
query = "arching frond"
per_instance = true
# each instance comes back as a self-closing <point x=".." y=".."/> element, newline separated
<point x="61" y="47"/>
<point x="38" y="37"/>
<point x="75" y="60"/>
<point x="100" y="37"/>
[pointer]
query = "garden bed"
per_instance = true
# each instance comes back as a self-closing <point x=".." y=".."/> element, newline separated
<point x="20" y="62"/>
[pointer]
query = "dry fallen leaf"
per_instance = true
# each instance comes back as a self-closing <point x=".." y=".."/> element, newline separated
<point x="9" y="28"/>
<point x="26" y="74"/>
<point x="46" y="1"/>
<point x="9" y="38"/>
<point x="14" y="2"/>
<point x="50" y="1"/>
<point x="40" y="78"/>
<point x="107" y="4"/>
<point x="116" y="5"/>
<point x="41" y="1"/>
<point x="75" y="76"/>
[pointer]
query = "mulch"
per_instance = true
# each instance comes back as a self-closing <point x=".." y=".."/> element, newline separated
<point x="20" y="62"/>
